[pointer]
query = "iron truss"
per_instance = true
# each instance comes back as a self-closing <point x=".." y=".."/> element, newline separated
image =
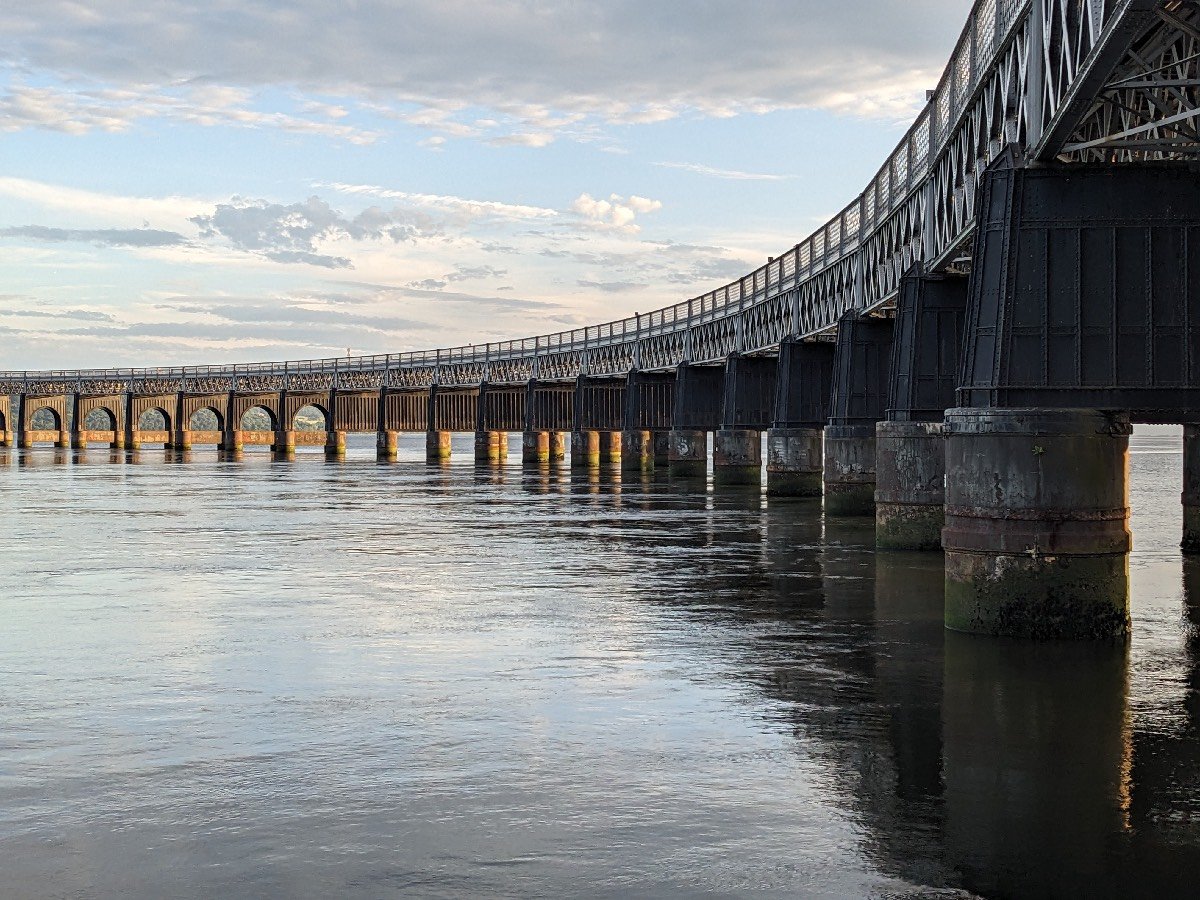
<point x="1109" y="81"/>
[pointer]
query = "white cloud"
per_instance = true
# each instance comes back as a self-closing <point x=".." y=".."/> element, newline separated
<point x="731" y="174"/>
<point x="617" y="212"/>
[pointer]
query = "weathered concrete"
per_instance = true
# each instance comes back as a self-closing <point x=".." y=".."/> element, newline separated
<point x="688" y="453"/>
<point x="794" y="462"/>
<point x="1036" y="537"/>
<point x="662" y="449"/>
<point x="637" y="450"/>
<point x="387" y="445"/>
<point x="491" y="446"/>
<point x="910" y="479"/>
<point x="585" y="449"/>
<point x="558" y="446"/>
<point x="610" y="446"/>
<point x="737" y="456"/>
<point x="1191" y="489"/>
<point x="535" y="446"/>
<point x="849" y="473"/>
<point x="437" y="445"/>
<point x="335" y="444"/>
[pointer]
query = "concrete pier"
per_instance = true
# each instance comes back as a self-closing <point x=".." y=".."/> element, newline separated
<point x="387" y="445"/>
<point x="910" y="492"/>
<point x="491" y="446"/>
<point x="688" y="453"/>
<point x="437" y="445"/>
<point x="610" y="447"/>
<point x="285" y="444"/>
<point x="231" y="441"/>
<point x="558" y="446"/>
<point x="585" y="449"/>
<point x="535" y="446"/>
<point x="1037" y="536"/>
<point x="637" y="450"/>
<point x="1191" y="489"/>
<point x="662" y="449"/>
<point x="335" y="444"/>
<point x="737" y="456"/>
<point x="850" y="470"/>
<point x="794" y="462"/>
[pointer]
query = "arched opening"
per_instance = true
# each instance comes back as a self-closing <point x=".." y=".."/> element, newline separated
<point x="154" y="419"/>
<point x="100" y="419"/>
<point x="258" y="418"/>
<point x="310" y="418"/>
<point x="45" y="419"/>
<point x="207" y="419"/>
<point x="3" y="425"/>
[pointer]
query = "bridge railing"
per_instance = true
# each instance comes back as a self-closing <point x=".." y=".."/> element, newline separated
<point x="904" y="173"/>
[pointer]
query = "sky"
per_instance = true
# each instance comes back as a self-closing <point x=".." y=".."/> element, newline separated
<point x="217" y="181"/>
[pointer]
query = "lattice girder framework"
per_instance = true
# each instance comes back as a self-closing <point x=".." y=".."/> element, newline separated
<point x="1110" y="81"/>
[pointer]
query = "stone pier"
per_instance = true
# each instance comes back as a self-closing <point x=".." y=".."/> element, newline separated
<point x="535" y="446"/>
<point x="737" y="456"/>
<point x="1037" y="537"/>
<point x="637" y="450"/>
<point x="491" y="446"/>
<point x="437" y="446"/>
<point x="610" y="447"/>
<point x="387" y="445"/>
<point x="688" y="453"/>
<point x="1191" y="489"/>
<point x="794" y="462"/>
<point x="910" y="459"/>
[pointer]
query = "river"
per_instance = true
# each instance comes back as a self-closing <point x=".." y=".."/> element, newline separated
<point x="352" y="679"/>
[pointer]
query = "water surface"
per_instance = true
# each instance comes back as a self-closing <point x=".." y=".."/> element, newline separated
<point x="351" y="679"/>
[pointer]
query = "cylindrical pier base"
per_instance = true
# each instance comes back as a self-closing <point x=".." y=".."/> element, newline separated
<point x="910" y="485"/>
<point x="1191" y="489"/>
<point x="63" y="441"/>
<point x="662" y="448"/>
<point x="637" y="450"/>
<point x="535" y="446"/>
<point x="850" y="470"/>
<point x="285" y="444"/>
<point x="737" y="456"/>
<point x="558" y="446"/>
<point x="585" y="449"/>
<point x="610" y="446"/>
<point x="335" y="444"/>
<point x="231" y="442"/>
<point x="794" y="462"/>
<point x="387" y="446"/>
<point x="437" y="445"/>
<point x="78" y="441"/>
<point x="491" y="446"/>
<point x="688" y="453"/>
<point x="1036" y="536"/>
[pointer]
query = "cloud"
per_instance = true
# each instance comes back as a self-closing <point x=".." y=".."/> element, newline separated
<point x="616" y="213"/>
<point x="458" y="207"/>
<point x="105" y="237"/>
<point x="731" y="174"/>
<point x="77" y="315"/>
<point x="611" y="287"/>
<point x="535" y="69"/>
<point x="292" y="233"/>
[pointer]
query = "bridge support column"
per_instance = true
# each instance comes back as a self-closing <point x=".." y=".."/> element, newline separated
<point x="231" y="442"/>
<point x="850" y="470"/>
<point x="437" y="445"/>
<point x="910" y="492"/>
<point x="794" y="462"/>
<point x="737" y="456"/>
<point x="585" y="449"/>
<point x="688" y="453"/>
<point x="662" y="449"/>
<point x="535" y="446"/>
<point x="76" y="435"/>
<point x="558" y="446"/>
<point x="637" y="450"/>
<point x="335" y="444"/>
<point x="491" y="446"/>
<point x="387" y="445"/>
<point x="610" y="446"/>
<point x="1036" y="536"/>
<point x="1191" y="489"/>
<point x="285" y="444"/>
<point x="181" y="440"/>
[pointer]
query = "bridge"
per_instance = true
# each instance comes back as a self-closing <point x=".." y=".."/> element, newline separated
<point x="960" y="352"/>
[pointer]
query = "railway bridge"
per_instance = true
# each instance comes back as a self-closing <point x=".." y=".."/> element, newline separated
<point x="960" y="352"/>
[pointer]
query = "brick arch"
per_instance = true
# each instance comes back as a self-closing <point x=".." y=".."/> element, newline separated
<point x="158" y="409"/>
<point x="191" y="410"/>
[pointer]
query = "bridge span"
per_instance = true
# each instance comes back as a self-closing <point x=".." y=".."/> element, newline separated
<point x="960" y="352"/>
